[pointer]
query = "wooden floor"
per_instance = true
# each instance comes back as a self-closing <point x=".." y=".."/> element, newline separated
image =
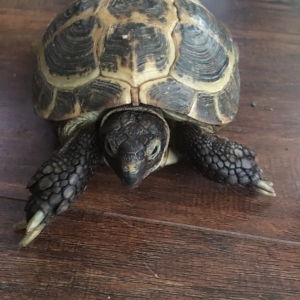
<point x="178" y="236"/>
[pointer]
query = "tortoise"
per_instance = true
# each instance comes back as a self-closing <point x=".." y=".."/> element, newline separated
<point x="136" y="85"/>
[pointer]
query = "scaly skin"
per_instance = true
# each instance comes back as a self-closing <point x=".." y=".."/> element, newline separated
<point x="219" y="159"/>
<point x="61" y="180"/>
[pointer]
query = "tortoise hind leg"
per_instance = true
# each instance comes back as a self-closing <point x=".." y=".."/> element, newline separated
<point x="219" y="159"/>
<point x="61" y="180"/>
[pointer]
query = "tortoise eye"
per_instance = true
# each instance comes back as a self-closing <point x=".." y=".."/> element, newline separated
<point x="154" y="152"/>
<point x="109" y="149"/>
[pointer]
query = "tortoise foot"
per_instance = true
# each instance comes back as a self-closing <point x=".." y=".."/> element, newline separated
<point x="219" y="159"/>
<point x="60" y="181"/>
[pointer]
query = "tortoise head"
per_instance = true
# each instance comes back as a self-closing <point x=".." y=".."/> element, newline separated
<point x="134" y="143"/>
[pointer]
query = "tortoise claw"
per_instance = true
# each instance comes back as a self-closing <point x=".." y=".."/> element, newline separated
<point x="266" y="188"/>
<point x="20" y="225"/>
<point x="33" y="227"/>
<point x="31" y="235"/>
<point x="35" y="221"/>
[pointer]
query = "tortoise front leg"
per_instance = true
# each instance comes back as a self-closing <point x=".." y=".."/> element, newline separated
<point x="219" y="159"/>
<point x="61" y="180"/>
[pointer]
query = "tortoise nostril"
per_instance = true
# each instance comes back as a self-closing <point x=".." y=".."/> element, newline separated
<point x="130" y="169"/>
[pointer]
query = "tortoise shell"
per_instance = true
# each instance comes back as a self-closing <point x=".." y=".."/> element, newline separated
<point x="169" y="54"/>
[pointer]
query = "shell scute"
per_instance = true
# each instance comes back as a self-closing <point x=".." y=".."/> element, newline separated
<point x="64" y="105"/>
<point x="228" y="98"/>
<point x="191" y="12"/>
<point x="205" y="110"/>
<point x="135" y="53"/>
<point x="42" y="94"/>
<point x="137" y="41"/>
<point x="187" y="8"/>
<point x="102" y="93"/>
<point x="71" y="50"/>
<point x="75" y="8"/>
<point x="153" y="9"/>
<point x="168" y="94"/>
<point x="201" y="57"/>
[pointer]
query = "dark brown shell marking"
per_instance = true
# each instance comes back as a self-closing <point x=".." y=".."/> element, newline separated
<point x="205" y="108"/>
<point x="151" y="8"/>
<point x="42" y="92"/>
<point x="149" y="43"/>
<point x="202" y="16"/>
<point x="98" y="94"/>
<point x="200" y="56"/>
<point x="228" y="99"/>
<point x="172" y="95"/>
<point x="71" y="50"/>
<point x="72" y="10"/>
<point x="65" y="102"/>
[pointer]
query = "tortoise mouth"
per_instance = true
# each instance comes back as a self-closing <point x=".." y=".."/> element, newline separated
<point x="131" y="182"/>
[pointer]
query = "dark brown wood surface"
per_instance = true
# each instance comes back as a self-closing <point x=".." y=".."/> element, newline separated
<point x="178" y="236"/>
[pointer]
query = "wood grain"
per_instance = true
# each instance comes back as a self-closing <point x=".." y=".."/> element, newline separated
<point x="136" y="258"/>
<point x="201" y="239"/>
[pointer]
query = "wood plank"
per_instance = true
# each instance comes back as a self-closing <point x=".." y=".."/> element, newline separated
<point x="92" y="255"/>
<point x="178" y="236"/>
<point x="258" y="15"/>
<point x="269" y="70"/>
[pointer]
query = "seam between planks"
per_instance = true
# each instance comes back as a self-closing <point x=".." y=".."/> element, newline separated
<point x="198" y="228"/>
<point x="173" y="224"/>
